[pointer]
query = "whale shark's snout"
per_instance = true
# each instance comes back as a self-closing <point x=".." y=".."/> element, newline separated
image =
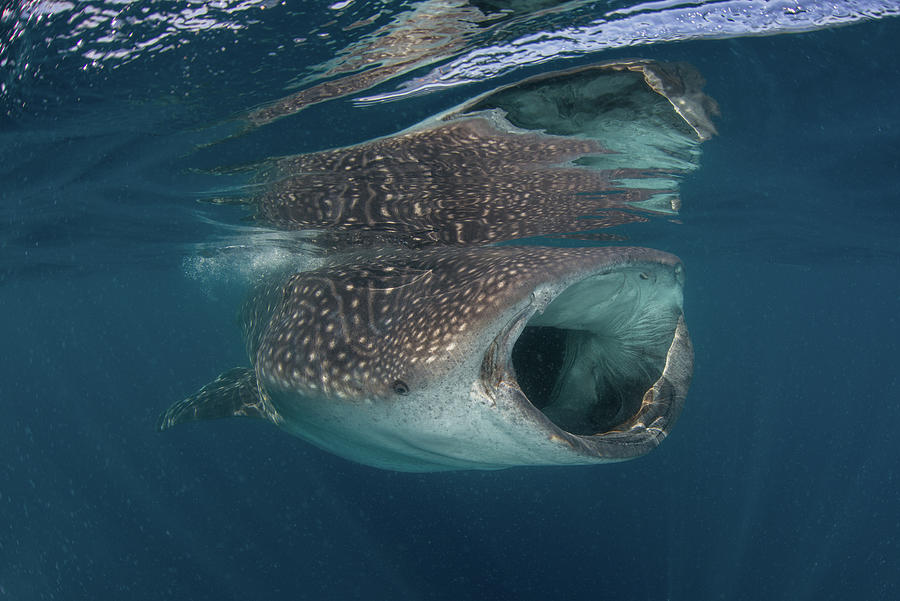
<point x="478" y="358"/>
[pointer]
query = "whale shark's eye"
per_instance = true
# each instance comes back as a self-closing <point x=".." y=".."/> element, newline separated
<point x="400" y="387"/>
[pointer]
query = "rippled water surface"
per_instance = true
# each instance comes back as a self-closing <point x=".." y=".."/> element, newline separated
<point x="158" y="160"/>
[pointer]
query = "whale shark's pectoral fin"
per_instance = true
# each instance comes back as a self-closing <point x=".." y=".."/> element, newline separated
<point x="233" y="394"/>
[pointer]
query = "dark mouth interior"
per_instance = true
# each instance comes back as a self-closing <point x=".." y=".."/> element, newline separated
<point x="539" y="358"/>
<point x="591" y="378"/>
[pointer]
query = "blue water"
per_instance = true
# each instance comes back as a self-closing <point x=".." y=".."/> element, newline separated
<point x="119" y="293"/>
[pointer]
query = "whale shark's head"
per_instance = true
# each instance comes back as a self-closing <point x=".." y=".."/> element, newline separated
<point x="478" y="358"/>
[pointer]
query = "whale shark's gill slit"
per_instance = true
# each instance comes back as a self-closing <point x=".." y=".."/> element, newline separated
<point x="587" y="363"/>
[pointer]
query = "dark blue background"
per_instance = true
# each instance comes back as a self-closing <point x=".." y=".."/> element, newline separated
<point x="779" y="482"/>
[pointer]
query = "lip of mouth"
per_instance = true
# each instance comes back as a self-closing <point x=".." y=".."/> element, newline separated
<point x="603" y="364"/>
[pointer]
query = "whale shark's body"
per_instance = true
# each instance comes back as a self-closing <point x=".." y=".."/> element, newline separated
<point x="426" y="361"/>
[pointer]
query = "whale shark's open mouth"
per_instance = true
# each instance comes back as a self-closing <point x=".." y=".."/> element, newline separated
<point x="589" y="361"/>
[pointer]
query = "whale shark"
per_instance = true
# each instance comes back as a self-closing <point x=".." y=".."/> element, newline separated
<point x="456" y="318"/>
<point x="466" y="358"/>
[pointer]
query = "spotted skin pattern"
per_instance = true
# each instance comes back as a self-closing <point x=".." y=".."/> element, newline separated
<point x="355" y="329"/>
